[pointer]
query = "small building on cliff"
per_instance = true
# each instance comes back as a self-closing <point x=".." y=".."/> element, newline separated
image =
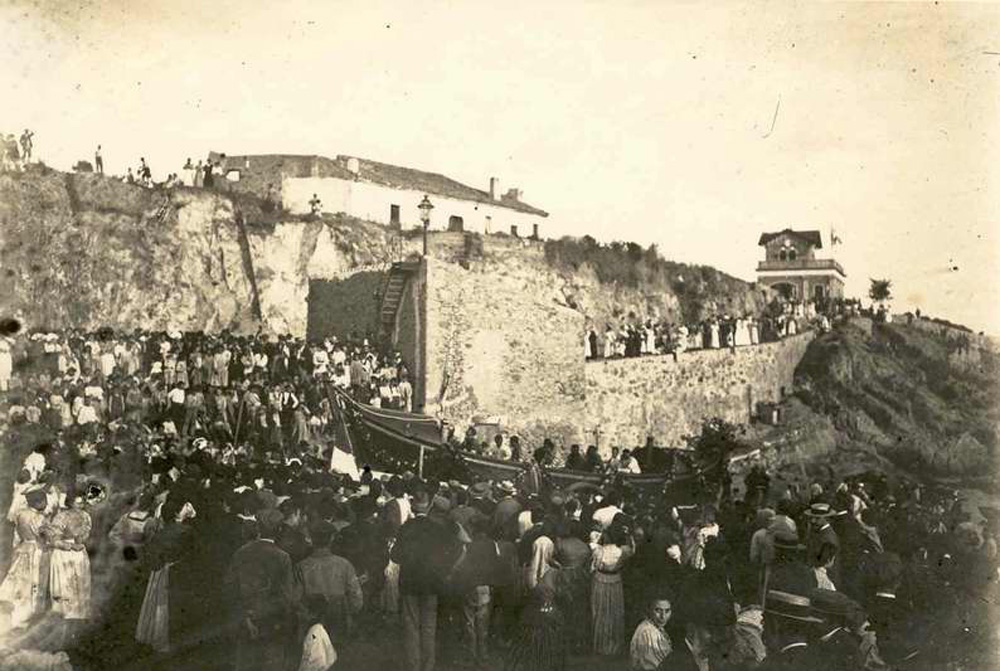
<point x="378" y="192"/>
<point x="791" y="268"/>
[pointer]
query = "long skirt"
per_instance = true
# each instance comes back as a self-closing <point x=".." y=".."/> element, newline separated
<point x="25" y="586"/>
<point x="607" y="609"/>
<point x="153" y="627"/>
<point x="576" y="585"/>
<point x="69" y="583"/>
<point x="540" y="642"/>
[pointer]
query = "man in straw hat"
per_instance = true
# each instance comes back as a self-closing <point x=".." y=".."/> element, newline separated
<point x="790" y="624"/>
<point x="822" y="545"/>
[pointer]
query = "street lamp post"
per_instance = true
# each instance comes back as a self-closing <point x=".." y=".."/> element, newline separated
<point x="425" y="216"/>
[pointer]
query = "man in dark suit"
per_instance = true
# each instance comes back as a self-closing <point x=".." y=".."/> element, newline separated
<point x="261" y="579"/>
<point x="427" y="550"/>
<point x="822" y="545"/>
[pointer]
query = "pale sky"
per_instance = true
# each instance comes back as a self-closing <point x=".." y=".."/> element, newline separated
<point x="645" y="121"/>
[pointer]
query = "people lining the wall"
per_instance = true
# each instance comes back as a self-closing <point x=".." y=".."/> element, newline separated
<point x="637" y="337"/>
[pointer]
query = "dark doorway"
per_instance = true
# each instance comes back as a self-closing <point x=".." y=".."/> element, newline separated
<point x="455" y="224"/>
<point x="394" y="215"/>
<point x="785" y="290"/>
<point x="343" y="307"/>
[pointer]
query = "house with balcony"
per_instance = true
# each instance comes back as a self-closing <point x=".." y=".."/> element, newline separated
<point x="790" y="267"/>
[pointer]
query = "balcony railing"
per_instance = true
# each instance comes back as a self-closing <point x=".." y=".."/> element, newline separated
<point x="802" y="264"/>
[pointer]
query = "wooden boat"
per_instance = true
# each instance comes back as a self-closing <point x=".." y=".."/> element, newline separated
<point x="396" y="441"/>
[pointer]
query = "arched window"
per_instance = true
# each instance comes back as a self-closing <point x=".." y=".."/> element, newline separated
<point x="783" y="255"/>
<point x="791" y="254"/>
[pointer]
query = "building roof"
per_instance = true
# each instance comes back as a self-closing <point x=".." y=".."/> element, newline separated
<point x="432" y="183"/>
<point x="811" y="237"/>
<point x="394" y="176"/>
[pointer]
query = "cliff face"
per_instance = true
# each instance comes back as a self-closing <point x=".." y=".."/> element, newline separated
<point x="898" y="390"/>
<point x="82" y="250"/>
<point x="86" y="251"/>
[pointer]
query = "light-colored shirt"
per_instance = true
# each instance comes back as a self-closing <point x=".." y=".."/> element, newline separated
<point x="605" y="515"/>
<point x="649" y="647"/>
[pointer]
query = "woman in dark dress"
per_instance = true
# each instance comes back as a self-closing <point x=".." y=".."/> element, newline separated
<point x="540" y="641"/>
<point x="573" y="556"/>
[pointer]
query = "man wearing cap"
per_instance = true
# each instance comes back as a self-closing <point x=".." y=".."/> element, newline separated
<point x="788" y="573"/>
<point x="330" y="580"/>
<point x="261" y="579"/>
<point x="427" y="550"/>
<point x="507" y="508"/>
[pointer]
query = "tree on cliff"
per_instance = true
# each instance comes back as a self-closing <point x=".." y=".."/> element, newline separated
<point x="713" y="445"/>
<point x="880" y="291"/>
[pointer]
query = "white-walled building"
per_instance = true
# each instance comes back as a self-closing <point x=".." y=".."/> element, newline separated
<point x="380" y="192"/>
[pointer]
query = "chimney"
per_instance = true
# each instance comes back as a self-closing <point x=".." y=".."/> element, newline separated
<point x="494" y="188"/>
<point x="514" y="194"/>
<point x="534" y="231"/>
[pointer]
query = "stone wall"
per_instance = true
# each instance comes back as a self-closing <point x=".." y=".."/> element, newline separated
<point x="628" y="399"/>
<point x="501" y="349"/>
<point x="494" y="350"/>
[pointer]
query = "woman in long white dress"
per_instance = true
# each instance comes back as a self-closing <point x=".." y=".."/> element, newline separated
<point x="69" y="570"/>
<point x="24" y="587"/>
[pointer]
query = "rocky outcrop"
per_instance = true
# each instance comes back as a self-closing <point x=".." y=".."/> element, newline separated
<point x="85" y="251"/>
<point x="895" y="389"/>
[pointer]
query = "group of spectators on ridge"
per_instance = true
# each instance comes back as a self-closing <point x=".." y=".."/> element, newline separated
<point x="634" y="338"/>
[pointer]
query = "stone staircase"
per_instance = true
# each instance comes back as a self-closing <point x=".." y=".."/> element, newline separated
<point x="392" y="291"/>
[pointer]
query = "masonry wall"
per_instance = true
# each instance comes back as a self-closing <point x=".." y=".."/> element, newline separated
<point x="628" y="399"/>
<point x="409" y="336"/>
<point x="495" y="350"/>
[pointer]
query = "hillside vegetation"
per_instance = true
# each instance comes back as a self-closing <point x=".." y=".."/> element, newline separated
<point x="677" y="291"/>
<point x="893" y="389"/>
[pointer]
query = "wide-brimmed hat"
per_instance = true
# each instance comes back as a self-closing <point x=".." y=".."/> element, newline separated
<point x="822" y="510"/>
<point x="506" y="487"/>
<point x="786" y="540"/>
<point x="480" y="490"/>
<point x="835" y="606"/>
<point x="789" y="606"/>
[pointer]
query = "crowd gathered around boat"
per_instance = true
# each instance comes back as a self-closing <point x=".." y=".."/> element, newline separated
<point x="175" y="491"/>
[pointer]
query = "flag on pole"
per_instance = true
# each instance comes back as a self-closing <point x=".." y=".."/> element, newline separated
<point x="834" y="238"/>
<point x="342" y="457"/>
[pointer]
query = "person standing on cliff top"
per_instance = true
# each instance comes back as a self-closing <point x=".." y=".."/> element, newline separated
<point x="26" y="145"/>
<point x="315" y="206"/>
<point x="98" y="161"/>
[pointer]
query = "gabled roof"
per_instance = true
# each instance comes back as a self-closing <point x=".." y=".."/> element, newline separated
<point x="811" y="237"/>
<point x="432" y="183"/>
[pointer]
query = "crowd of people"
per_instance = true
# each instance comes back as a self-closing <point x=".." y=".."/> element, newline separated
<point x="16" y="152"/>
<point x="213" y="534"/>
<point x="637" y="338"/>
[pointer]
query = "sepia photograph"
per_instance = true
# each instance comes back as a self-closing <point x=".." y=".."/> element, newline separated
<point x="565" y="335"/>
